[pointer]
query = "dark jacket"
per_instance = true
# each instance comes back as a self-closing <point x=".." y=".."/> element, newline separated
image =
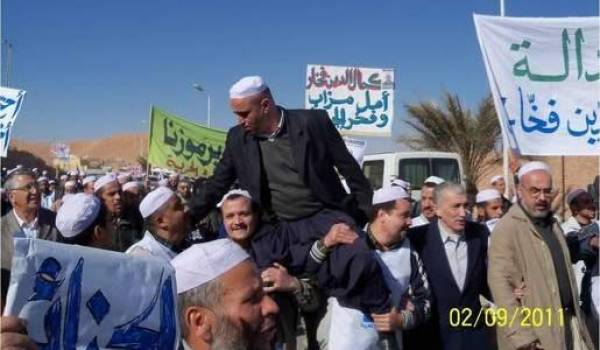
<point x="438" y="333"/>
<point x="48" y="230"/>
<point x="318" y="150"/>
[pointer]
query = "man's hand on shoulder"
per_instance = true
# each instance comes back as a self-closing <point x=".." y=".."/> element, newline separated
<point x="339" y="234"/>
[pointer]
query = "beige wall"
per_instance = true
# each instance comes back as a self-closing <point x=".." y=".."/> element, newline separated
<point x="578" y="172"/>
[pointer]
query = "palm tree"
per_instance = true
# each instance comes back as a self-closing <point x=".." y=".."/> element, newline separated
<point x="455" y="129"/>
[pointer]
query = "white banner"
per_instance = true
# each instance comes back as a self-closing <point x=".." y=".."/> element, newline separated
<point x="544" y="76"/>
<point x="85" y="298"/>
<point x="10" y="105"/>
<point x="359" y="101"/>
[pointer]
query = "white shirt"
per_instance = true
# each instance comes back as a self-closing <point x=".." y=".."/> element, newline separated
<point x="579" y="267"/>
<point x="28" y="229"/>
<point x="419" y="221"/>
<point x="456" y="252"/>
<point x="149" y="246"/>
<point x="48" y="200"/>
<point x="570" y="225"/>
<point x="491" y="223"/>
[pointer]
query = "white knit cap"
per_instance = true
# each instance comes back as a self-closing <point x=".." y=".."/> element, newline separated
<point x="77" y="213"/>
<point x="130" y="185"/>
<point x="42" y="178"/>
<point x="103" y="181"/>
<point x="434" y="179"/>
<point x="247" y="86"/>
<point x="574" y="193"/>
<point x="154" y="200"/>
<point x="401" y="183"/>
<point x="123" y="178"/>
<point x="242" y="193"/>
<point x="495" y="178"/>
<point x="487" y="195"/>
<point x="388" y="194"/>
<point x="204" y="262"/>
<point x="70" y="183"/>
<point x="163" y="183"/>
<point x="88" y="179"/>
<point x="532" y="166"/>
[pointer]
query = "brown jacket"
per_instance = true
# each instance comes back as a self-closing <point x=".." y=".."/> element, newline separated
<point x="518" y="254"/>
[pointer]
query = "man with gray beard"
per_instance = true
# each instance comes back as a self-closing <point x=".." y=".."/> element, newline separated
<point x="528" y="250"/>
<point x="221" y="301"/>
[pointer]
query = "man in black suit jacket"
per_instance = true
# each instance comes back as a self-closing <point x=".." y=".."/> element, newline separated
<point x="314" y="150"/>
<point x="288" y="160"/>
<point x="27" y="219"/>
<point x="454" y="253"/>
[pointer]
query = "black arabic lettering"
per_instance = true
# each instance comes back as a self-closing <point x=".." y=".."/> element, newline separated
<point x="173" y="164"/>
<point x="169" y="140"/>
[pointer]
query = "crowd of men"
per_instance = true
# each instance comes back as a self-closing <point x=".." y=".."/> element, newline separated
<point x="273" y="252"/>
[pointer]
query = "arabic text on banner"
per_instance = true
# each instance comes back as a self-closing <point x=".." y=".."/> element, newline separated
<point x="544" y="76"/>
<point x="10" y="105"/>
<point x="75" y="297"/>
<point x="186" y="147"/>
<point x="359" y="101"/>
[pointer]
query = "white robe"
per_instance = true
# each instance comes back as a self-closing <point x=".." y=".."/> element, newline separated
<point x="149" y="246"/>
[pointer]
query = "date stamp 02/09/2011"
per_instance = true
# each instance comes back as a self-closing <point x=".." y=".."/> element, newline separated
<point x="523" y="317"/>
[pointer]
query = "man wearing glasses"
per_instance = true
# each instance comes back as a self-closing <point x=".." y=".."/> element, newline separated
<point x="27" y="219"/>
<point x="528" y="250"/>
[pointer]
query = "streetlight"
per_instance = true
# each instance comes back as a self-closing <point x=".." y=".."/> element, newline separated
<point x="200" y="89"/>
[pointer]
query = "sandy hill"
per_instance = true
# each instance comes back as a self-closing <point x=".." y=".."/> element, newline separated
<point x="117" y="150"/>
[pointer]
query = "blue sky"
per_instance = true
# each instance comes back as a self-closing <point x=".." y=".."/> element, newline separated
<point x="94" y="68"/>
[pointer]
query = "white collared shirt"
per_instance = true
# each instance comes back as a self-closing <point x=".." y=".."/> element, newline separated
<point x="456" y="252"/>
<point x="419" y="221"/>
<point x="28" y="229"/>
<point x="271" y="137"/>
<point x="149" y="246"/>
<point x="48" y="200"/>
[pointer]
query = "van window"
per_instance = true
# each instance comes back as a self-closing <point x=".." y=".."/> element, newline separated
<point x="446" y="169"/>
<point x="373" y="170"/>
<point x="414" y="170"/>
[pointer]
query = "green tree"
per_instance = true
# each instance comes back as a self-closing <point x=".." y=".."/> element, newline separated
<point x="452" y="128"/>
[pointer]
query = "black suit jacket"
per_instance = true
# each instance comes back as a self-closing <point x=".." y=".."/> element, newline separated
<point x="48" y="230"/>
<point x="438" y="333"/>
<point x="318" y="150"/>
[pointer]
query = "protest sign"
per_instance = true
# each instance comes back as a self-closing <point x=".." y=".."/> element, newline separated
<point x="85" y="298"/>
<point x="359" y="101"/>
<point x="544" y="76"/>
<point x="10" y="105"/>
<point x="183" y="146"/>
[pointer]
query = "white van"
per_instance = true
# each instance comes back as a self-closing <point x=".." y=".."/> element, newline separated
<point x="413" y="167"/>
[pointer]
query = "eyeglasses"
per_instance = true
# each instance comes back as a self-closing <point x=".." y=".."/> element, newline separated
<point x="30" y="186"/>
<point x="548" y="192"/>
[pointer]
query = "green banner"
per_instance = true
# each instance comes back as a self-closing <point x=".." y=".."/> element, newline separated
<point x="182" y="146"/>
